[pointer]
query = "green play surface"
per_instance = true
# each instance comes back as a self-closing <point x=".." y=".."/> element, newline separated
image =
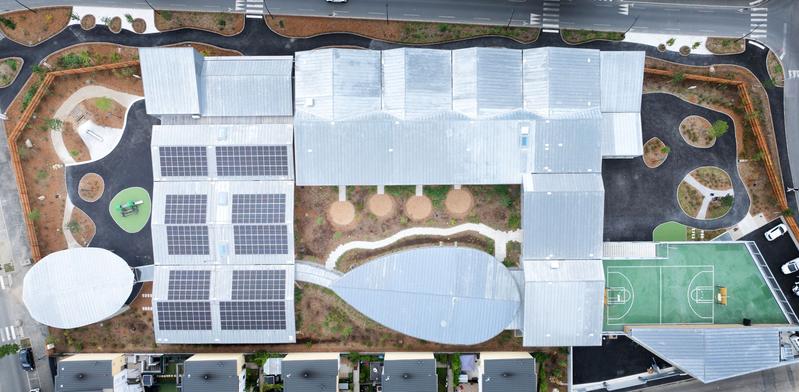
<point x="132" y="223"/>
<point x="684" y="287"/>
<point x="670" y="231"/>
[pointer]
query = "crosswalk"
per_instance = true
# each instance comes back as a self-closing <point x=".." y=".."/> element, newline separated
<point x="8" y="334"/>
<point x="251" y="7"/>
<point x="5" y="282"/>
<point x="551" y="15"/>
<point x="758" y="18"/>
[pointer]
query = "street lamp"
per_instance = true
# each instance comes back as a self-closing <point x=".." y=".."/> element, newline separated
<point x="750" y="32"/>
<point x="26" y="7"/>
<point x="151" y="6"/>
<point x="633" y="24"/>
<point x="511" y="18"/>
<point x="266" y="7"/>
<point x="387" y="12"/>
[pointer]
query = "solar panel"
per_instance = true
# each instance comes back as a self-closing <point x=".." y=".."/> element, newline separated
<point x="259" y="208"/>
<point x="259" y="285"/>
<point x="185" y="209"/>
<point x="187" y="240"/>
<point x="260" y="239"/>
<point x="189" y="285"/>
<point x="183" y="316"/>
<point x="252" y="315"/>
<point x="183" y="161"/>
<point x="252" y="160"/>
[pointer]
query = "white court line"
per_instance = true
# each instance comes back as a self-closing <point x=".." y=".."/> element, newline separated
<point x="8" y="334"/>
<point x="660" y="296"/>
<point x="2" y="283"/>
<point x="13" y="334"/>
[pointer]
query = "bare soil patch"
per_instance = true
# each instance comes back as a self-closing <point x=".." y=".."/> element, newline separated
<point x="725" y="99"/>
<point x="712" y="177"/>
<point x="81" y="226"/>
<point x="394" y="31"/>
<point x="689" y="198"/>
<point x="139" y="25"/>
<point x="459" y="202"/>
<point x="695" y="130"/>
<point x="91" y="187"/>
<point x="382" y="206"/>
<point x="103" y="111"/>
<point x="220" y="23"/>
<point x="33" y="28"/>
<point x="775" y="71"/>
<point x="341" y="214"/>
<point x="114" y="24"/>
<point x="655" y="152"/>
<point x="725" y="45"/>
<point x="576" y="37"/>
<point x="88" y="21"/>
<point x="206" y="49"/>
<point x="74" y="143"/>
<point x="418" y="208"/>
<point x="9" y="69"/>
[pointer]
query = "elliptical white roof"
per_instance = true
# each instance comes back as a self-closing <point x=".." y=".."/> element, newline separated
<point x="76" y="287"/>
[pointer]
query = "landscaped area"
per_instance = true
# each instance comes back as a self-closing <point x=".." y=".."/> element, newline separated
<point x="582" y="36"/>
<point x="706" y="193"/>
<point x="695" y="130"/>
<point x="9" y="69"/>
<point x="224" y="24"/>
<point x="775" y="71"/>
<point x="655" y="152"/>
<point x="31" y="28"/>
<point x="673" y="231"/>
<point x="725" y="45"/>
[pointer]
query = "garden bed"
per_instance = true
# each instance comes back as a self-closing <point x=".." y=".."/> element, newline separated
<point x="91" y="187"/>
<point x="689" y="198"/>
<point x="695" y="130"/>
<point x="32" y="28"/>
<point x="81" y="226"/>
<point x="88" y="21"/>
<point x="206" y="50"/>
<point x="220" y="23"/>
<point x="497" y="206"/>
<point x="104" y="112"/>
<point x="394" y="30"/>
<point x="576" y="37"/>
<point x="719" y="207"/>
<point x="655" y="152"/>
<point x="775" y="71"/>
<point x="9" y="69"/>
<point x="74" y="143"/>
<point x="712" y="177"/>
<point x="725" y="45"/>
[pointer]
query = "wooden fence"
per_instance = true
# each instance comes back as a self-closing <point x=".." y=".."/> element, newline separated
<point x="16" y="161"/>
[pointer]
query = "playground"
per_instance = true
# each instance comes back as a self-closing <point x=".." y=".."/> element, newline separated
<point x="702" y="283"/>
<point x="130" y="209"/>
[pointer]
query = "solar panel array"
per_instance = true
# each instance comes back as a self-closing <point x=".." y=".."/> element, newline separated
<point x="189" y="285"/>
<point x="185" y="209"/>
<point x="184" y="316"/>
<point x="260" y="239"/>
<point x="259" y="208"/>
<point x="259" y="285"/>
<point x="237" y="161"/>
<point x="265" y="315"/>
<point x="187" y="240"/>
<point x="183" y="161"/>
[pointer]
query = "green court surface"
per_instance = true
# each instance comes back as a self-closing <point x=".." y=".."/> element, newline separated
<point x="135" y="222"/>
<point x="670" y="231"/>
<point x="684" y="288"/>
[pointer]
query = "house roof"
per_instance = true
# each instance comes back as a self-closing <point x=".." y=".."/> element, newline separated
<point x="76" y="287"/>
<point x="310" y="375"/>
<point x="409" y="375"/>
<point x="211" y="375"/>
<point x="82" y="376"/>
<point x="554" y="285"/>
<point x="509" y="375"/>
<point x="403" y="291"/>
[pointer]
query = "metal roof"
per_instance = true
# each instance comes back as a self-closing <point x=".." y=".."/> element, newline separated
<point x="211" y="375"/>
<point x="310" y="375"/>
<point x="486" y="81"/>
<point x="84" y="375"/>
<point x="181" y="81"/>
<point x="76" y="287"/>
<point x="409" y="375"/>
<point x="621" y="135"/>
<point x="563" y="303"/>
<point x="416" y="82"/>
<point x="565" y="146"/>
<point x="562" y="216"/>
<point x="713" y="353"/>
<point x="558" y="81"/>
<point x="403" y="291"/>
<point x="622" y="81"/>
<point x="509" y="375"/>
<point x="221" y="288"/>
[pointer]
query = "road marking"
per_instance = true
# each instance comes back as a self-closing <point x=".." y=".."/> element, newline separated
<point x="549" y="30"/>
<point x="601" y="25"/>
<point x="305" y="9"/>
<point x="481" y="18"/>
<point x="13" y="334"/>
<point x="8" y="334"/>
<point x="706" y="11"/>
<point x="446" y="16"/>
<point x="672" y="29"/>
<point x="375" y="13"/>
<point x="2" y="283"/>
<point x="551" y="16"/>
<point x="411" y="15"/>
<point x="707" y="31"/>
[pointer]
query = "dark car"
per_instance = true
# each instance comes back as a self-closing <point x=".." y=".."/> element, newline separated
<point x="26" y="359"/>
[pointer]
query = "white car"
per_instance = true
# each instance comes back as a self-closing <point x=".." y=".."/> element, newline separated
<point x="791" y="266"/>
<point x="795" y="290"/>
<point x="776" y="232"/>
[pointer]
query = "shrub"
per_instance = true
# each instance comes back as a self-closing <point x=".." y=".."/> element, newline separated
<point x="8" y="349"/>
<point x="74" y="16"/>
<point x="696" y="45"/>
<point x="787" y="212"/>
<point x="73" y="226"/>
<point x="514" y="220"/>
<point x="103" y="103"/>
<point x="719" y="128"/>
<point x="665" y="149"/>
<point x="443" y="28"/>
<point x="221" y="22"/>
<point x="34" y="215"/>
<point x="726" y="201"/>
<point x="670" y="42"/>
<point x="8" y="23"/>
<point x="167" y="15"/>
<point x="75" y="60"/>
<point x="678" y="77"/>
<point x="129" y="18"/>
<point x="41" y="174"/>
<point x="106" y="20"/>
<point x="53" y="124"/>
<point x="13" y="64"/>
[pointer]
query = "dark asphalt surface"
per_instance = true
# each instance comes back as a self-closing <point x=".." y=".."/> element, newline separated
<point x="614" y="358"/>
<point x="776" y="253"/>
<point x="638" y="198"/>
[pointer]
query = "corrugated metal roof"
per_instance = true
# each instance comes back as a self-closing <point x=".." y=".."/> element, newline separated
<point x="509" y="375"/>
<point x="221" y="290"/>
<point x="563" y="303"/>
<point x="170" y="78"/>
<point x="629" y="250"/>
<point x="713" y="354"/>
<point x="621" y="135"/>
<point x="565" y="146"/>
<point x="403" y="291"/>
<point x="409" y="375"/>
<point x="95" y="375"/>
<point x="334" y="84"/>
<point x="622" y="81"/>
<point x="486" y="81"/>
<point x="382" y="151"/>
<point x="76" y="287"/>
<point x="211" y="376"/>
<point x="310" y="375"/>
<point x="562" y="216"/>
<point x="416" y="82"/>
<point x="561" y="80"/>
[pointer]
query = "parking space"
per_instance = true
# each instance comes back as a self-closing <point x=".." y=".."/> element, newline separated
<point x="776" y="253"/>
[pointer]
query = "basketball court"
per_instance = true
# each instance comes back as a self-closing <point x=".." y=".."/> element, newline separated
<point x="699" y="283"/>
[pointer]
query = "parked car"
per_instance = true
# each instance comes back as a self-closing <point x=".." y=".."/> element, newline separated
<point x="776" y="231"/>
<point x="336" y="1"/>
<point x="791" y="266"/>
<point x="26" y="359"/>
<point x="795" y="288"/>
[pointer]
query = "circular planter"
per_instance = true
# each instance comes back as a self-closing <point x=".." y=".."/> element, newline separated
<point x="662" y="48"/>
<point x="115" y="25"/>
<point x="87" y="22"/>
<point x="139" y="25"/>
<point x="685" y="50"/>
<point x="91" y="187"/>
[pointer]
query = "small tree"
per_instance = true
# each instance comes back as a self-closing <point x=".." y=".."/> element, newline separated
<point x="665" y="149"/>
<point x="727" y="200"/>
<point x="670" y="42"/>
<point x="787" y="212"/>
<point x="696" y="45"/>
<point x="34" y="215"/>
<point x="103" y="103"/>
<point x="129" y="18"/>
<point x="8" y="349"/>
<point x="719" y="128"/>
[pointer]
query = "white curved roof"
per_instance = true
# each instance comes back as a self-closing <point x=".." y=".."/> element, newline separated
<point x="442" y="294"/>
<point x="75" y="287"/>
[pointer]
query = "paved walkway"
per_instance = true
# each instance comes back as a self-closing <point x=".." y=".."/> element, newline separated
<point x="707" y="193"/>
<point x="68" y="207"/>
<point x="500" y="238"/>
<point x="308" y="271"/>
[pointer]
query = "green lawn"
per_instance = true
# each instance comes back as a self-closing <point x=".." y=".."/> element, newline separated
<point x="132" y="223"/>
<point x="682" y="288"/>
<point x="670" y="231"/>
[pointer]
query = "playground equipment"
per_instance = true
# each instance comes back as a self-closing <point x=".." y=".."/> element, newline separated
<point x="130" y="207"/>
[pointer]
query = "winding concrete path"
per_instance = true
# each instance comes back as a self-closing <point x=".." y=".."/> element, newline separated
<point x="500" y="238"/>
<point x="707" y="193"/>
